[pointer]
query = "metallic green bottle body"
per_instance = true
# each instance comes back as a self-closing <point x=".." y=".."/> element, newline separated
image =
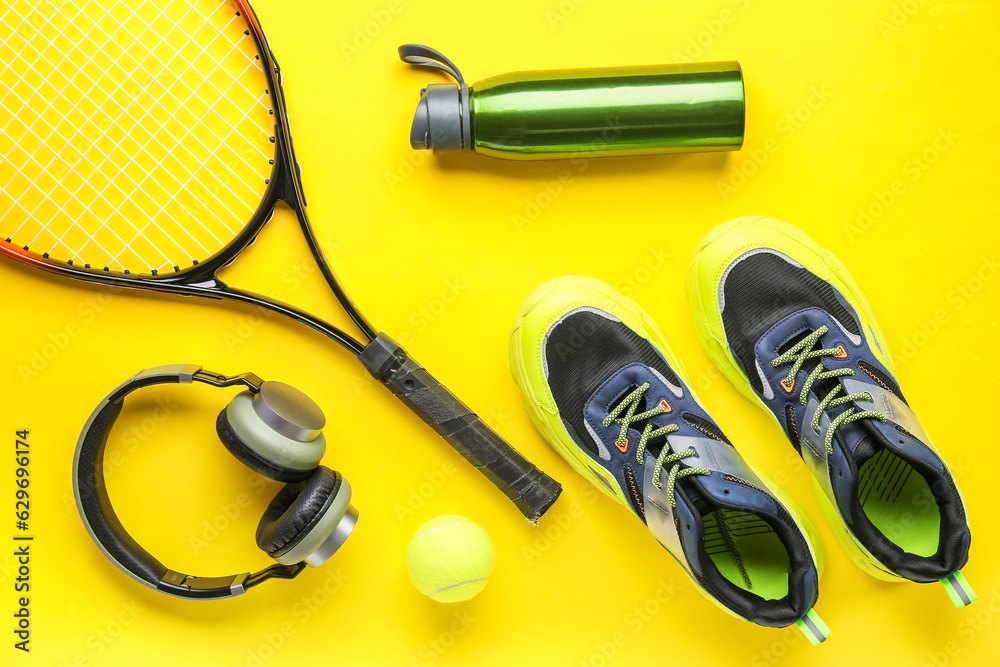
<point x="609" y="111"/>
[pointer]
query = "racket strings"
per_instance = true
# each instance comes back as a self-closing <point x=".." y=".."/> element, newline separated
<point x="74" y="195"/>
<point x="138" y="135"/>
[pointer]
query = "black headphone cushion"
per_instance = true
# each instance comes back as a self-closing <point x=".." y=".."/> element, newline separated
<point x="249" y="457"/>
<point x="296" y="510"/>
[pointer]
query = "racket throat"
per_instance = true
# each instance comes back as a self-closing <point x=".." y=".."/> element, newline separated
<point x="383" y="358"/>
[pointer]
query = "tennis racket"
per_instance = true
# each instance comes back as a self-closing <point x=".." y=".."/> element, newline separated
<point x="145" y="144"/>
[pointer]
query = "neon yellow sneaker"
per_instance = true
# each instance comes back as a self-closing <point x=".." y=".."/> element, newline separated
<point x="787" y="323"/>
<point x="604" y="389"/>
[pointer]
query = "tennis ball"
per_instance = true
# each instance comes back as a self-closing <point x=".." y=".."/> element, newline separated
<point x="450" y="559"/>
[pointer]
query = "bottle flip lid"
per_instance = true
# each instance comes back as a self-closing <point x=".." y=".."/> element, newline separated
<point x="442" y="122"/>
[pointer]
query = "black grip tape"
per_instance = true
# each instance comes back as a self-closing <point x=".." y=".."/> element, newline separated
<point x="528" y="487"/>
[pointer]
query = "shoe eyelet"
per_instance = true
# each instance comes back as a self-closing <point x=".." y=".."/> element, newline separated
<point x="726" y="491"/>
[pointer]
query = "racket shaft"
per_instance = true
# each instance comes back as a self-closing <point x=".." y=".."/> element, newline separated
<point x="528" y="487"/>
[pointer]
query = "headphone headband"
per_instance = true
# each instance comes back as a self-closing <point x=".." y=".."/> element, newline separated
<point x="99" y="516"/>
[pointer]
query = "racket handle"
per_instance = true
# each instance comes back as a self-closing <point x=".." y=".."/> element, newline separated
<point x="528" y="487"/>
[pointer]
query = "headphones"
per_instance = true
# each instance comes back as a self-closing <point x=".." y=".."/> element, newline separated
<point x="275" y="430"/>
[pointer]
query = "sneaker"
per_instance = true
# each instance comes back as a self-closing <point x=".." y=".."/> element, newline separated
<point x="604" y="389"/>
<point x="786" y="322"/>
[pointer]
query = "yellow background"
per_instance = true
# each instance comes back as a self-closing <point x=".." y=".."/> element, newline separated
<point x="849" y="105"/>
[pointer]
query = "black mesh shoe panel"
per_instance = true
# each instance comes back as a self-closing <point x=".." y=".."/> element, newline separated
<point x="886" y="382"/>
<point x="709" y="428"/>
<point x="763" y="289"/>
<point x="582" y="351"/>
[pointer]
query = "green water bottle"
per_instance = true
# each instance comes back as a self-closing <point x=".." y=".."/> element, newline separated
<point x="591" y="112"/>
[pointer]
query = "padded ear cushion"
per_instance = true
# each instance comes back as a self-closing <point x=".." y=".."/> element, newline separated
<point x="249" y="457"/>
<point x="296" y="510"/>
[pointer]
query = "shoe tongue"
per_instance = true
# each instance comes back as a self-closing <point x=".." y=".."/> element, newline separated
<point x="704" y="495"/>
<point x="868" y="447"/>
<point x="696" y="499"/>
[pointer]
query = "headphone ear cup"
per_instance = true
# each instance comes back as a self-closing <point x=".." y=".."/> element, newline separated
<point x="308" y="520"/>
<point x="246" y="455"/>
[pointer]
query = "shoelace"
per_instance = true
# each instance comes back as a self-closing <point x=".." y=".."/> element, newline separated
<point x="666" y="456"/>
<point x="727" y="538"/>
<point x="797" y="355"/>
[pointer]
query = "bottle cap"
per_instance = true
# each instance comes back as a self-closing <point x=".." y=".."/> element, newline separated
<point x="442" y="122"/>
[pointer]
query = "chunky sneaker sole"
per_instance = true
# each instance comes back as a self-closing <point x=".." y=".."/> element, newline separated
<point x="602" y="385"/>
<point x="788" y="325"/>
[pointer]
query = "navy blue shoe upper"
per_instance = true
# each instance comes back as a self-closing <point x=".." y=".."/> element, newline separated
<point x="769" y="302"/>
<point x="592" y="362"/>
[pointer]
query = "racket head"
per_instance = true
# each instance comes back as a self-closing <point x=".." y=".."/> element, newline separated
<point x="147" y="142"/>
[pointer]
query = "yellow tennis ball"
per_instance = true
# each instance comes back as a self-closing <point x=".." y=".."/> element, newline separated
<point x="450" y="559"/>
